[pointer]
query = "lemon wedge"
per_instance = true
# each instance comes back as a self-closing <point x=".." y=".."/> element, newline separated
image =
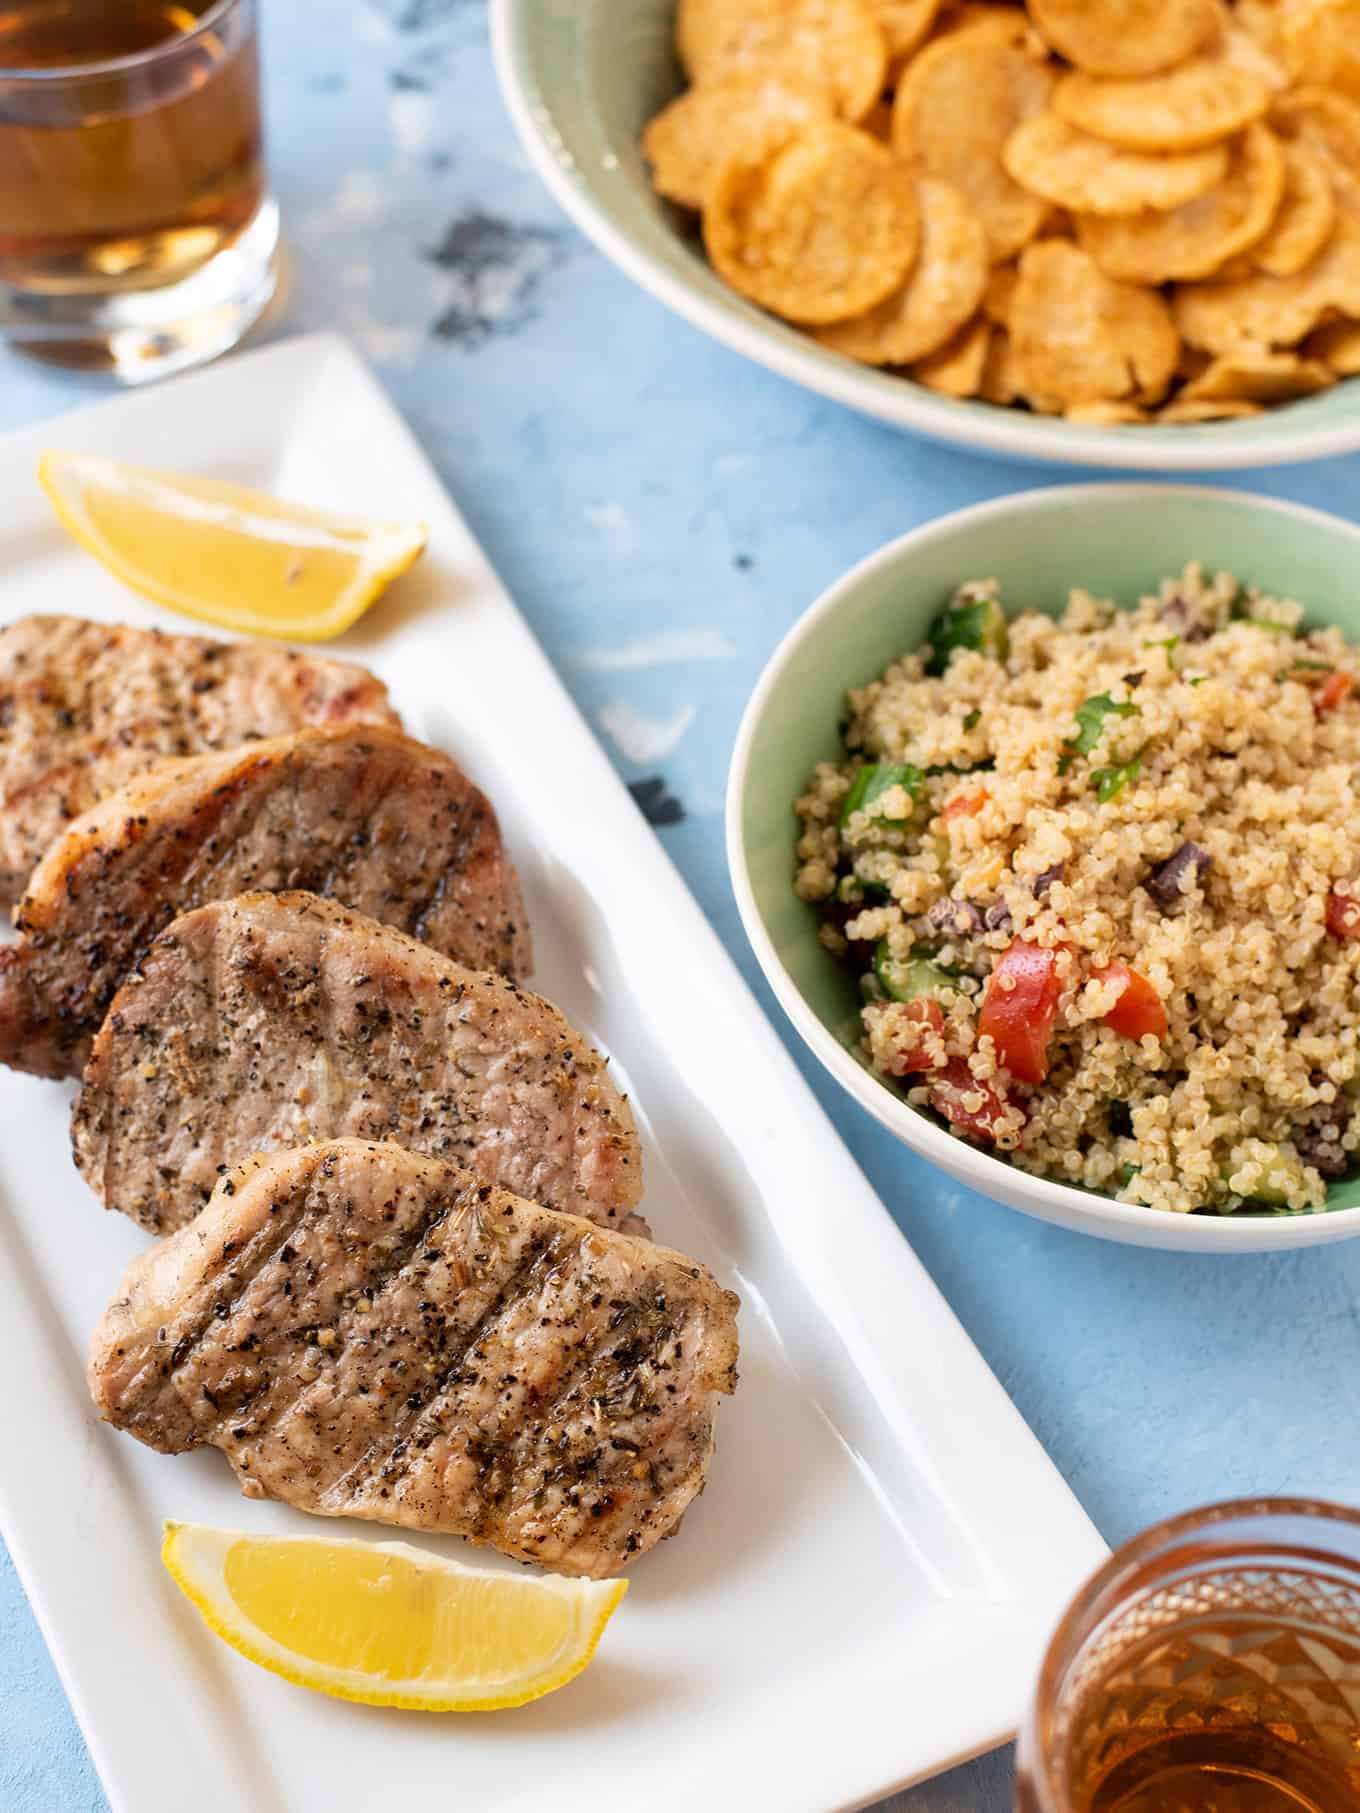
<point x="225" y="554"/>
<point x="386" y="1623"/>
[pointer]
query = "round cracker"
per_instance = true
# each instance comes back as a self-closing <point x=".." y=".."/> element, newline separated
<point x="1254" y="374"/>
<point x="878" y="121"/>
<point x="996" y="298"/>
<point x="1319" y="41"/>
<point x="941" y="293"/>
<point x="744" y="114"/>
<point x="999" y="383"/>
<point x="1082" y="337"/>
<point x="1124" y="37"/>
<point x="819" y="230"/>
<point x="1328" y="124"/>
<point x="1192" y="362"/>
<point x="1306" y="216"/>
<point x="1009" y="23"/>
<point x="1108" y="413"/>
<point x="905" y="24"/>
<point x="1337" y="344"/>
<point x="1238" y="43"/>
<point x="1201" y="103"/>
<point x="956" y="369"/>
<point x="836" y="44"/>
<point x="958" y="103"/>
<point x="1195" y="239"/>
<point x="1273" y="311"/>
<point x="1049" y="157"/>
<point x="1259" y="20"/>
<point x="1206" y="409"/>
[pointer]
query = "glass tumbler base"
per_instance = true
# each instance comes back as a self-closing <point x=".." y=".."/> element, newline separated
<point x="136" y="336"/>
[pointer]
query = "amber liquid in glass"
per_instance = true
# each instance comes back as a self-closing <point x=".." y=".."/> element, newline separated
<point x="133" y="176"/>
<point x="1236" y="1714"/>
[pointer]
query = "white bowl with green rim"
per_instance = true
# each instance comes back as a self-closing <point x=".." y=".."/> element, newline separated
<point x="1118" y="540"/>
<point x="581" y="79"/>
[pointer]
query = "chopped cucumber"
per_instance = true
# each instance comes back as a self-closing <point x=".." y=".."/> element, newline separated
<point x="1281" y="1173"/>
<point x="873" y="781"/>
<point x="912" y="978"/>
<point x="968" y="621"/>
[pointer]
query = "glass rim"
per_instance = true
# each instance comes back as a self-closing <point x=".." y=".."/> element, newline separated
<point x="137" y="59"/>
<point x="1130" y="1556"/>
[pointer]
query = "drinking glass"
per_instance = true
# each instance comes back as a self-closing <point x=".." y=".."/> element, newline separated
<point x="137" y="233"/>
<point x="1211" y="1666"/>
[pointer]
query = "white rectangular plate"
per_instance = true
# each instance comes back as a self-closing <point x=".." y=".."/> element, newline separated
<point x="860" y="1597"/>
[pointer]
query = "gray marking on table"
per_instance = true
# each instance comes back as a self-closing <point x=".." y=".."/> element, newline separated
<point x="496" y="269"/>
<point x="420" y="15"/>
<point x="657" y="805"/>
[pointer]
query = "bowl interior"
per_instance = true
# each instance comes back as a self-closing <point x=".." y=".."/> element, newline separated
<point x="583" y="78"/>
<point x="1116" y="541"/>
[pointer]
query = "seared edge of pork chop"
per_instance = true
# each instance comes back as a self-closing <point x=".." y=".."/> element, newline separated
<point x="274" y="1019"/>
<point x="388" y="825"/>
<point x="366" y="1332"/>
<point x="84" y="706"/>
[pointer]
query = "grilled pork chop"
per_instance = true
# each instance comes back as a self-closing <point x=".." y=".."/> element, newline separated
<point x="85" y="706"/>
<point x="364" y="814"/>
<point x="274" y="1019"/>
<point x="366" y="1332"/>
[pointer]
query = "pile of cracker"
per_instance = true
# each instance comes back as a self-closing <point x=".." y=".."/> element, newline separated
<point x="1111" y="210"/>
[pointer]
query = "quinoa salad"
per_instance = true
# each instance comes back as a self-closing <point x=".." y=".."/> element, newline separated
<point x="1098" y="878"/>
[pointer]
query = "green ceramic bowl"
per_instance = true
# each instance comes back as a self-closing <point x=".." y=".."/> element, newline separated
<point x="581" y="79"/>
<point x="1118" y="540"/>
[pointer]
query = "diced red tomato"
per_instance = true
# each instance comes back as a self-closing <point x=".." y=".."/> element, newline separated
<point x="1020" y="1007"/>
<point x="1139" y="1008"/>
<point x="1335" y="689"/>
<point x="966" y="805"/>
<point x="1343" y="915"/>
<point x="955" y="1085"/>
<point x="914" y="1054"/>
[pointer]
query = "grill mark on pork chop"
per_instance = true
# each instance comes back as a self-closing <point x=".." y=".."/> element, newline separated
<point x="500" y="1446"/>
<point x="535" y="1259"/>
<point x="363" y="810"/>
<point x="84" y="706"/>
<point x="419" y="1348"/>
<point x="274" y="1019"/>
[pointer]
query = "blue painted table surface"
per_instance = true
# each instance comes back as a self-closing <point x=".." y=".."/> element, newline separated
<point x="661" y="510"/>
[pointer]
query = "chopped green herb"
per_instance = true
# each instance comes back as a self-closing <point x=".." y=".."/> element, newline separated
<point x="968" y="621"/>
<point x="873" y="890"/>
<point x="1301" y="666"/>
<point x="1197" y="679"/>
<point x="914" y="978"/>
<point x="1091" y="715"/>
<point x="873" y="781"/>
<point x="851" y="891"/>
<point x="1127" y="1175"/>
<point x="971" y="721"/>
<point x="1169" y="643"/>
<point x="1270" y="623"/>
<point x="1109" y="783"/>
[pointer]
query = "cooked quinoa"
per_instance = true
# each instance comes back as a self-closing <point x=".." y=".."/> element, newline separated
<point x="1099" y="878"/>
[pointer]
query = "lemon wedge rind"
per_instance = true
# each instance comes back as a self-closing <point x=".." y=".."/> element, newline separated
<point x="486" y="1606"/>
